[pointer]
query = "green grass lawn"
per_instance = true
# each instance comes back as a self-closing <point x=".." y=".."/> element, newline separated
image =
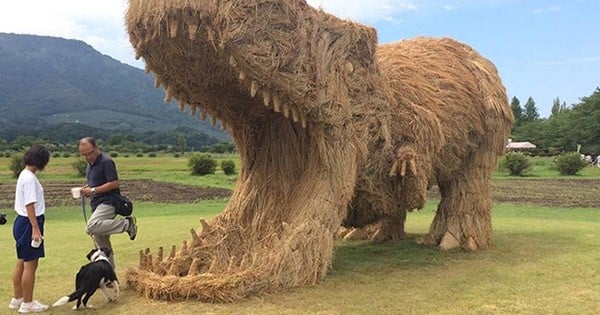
<point x="166" y="167"/>
<point x="544" y="260"/>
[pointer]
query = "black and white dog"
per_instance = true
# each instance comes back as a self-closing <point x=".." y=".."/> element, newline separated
<point x="98" y="273"/>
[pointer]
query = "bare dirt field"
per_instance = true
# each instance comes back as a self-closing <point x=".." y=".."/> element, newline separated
<point x="546" y="192"/>
<point x="59" y="194"/>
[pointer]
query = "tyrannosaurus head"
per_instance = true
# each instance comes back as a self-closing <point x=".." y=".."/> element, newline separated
<point x="279" y="64"/>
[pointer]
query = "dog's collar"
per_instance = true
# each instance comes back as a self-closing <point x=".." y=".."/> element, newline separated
<point x="97" y="256"/>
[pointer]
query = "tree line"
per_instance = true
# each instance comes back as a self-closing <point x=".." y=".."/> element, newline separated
<point x="564" y="130"/>
<point x="176" y="141"/>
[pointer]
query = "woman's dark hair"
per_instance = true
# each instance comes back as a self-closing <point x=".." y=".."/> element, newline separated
<point x="37" y="156"/>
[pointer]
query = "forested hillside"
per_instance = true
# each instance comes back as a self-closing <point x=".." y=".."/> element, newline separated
<point x="62" y="89"/>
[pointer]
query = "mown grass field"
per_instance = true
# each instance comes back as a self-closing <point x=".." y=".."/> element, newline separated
<point x="543" y="260"/>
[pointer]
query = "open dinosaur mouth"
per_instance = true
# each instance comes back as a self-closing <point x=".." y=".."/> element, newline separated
<point x="199" y="67"/>
<point x="224" y="59"/>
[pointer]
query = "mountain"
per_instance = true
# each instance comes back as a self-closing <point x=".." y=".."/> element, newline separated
<point x="49" y="84"/>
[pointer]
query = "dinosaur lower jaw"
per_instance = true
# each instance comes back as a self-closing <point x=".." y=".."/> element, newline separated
<point x="276" y="231"/>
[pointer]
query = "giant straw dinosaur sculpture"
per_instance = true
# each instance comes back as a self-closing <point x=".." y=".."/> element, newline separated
<point x="330" y="128"/>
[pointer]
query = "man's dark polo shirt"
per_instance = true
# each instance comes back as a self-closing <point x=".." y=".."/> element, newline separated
<point x="102" y="171"/>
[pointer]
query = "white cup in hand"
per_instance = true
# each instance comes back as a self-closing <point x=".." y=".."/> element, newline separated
<point x="76" y="192"/>
<point x="36" y="243"/>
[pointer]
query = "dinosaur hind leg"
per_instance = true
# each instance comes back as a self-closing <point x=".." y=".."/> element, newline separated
<point x="463" y="217"/>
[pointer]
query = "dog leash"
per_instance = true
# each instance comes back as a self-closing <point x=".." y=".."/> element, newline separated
<point x="83" y="208"/>
<point x="85" y="219"/>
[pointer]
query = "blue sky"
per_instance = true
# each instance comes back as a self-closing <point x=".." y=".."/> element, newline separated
<point x="542" y="48"/>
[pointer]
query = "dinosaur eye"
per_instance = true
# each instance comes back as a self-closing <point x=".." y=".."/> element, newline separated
<point x="348" y="67"/>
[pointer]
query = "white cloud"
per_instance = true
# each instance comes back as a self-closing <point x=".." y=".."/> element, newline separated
<point x="98" y="23"/>
<point x="547" y="9"/>
<point x="449" y="7"/>
<point x="365" y="11"/>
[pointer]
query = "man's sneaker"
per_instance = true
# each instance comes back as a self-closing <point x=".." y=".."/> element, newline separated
<point x="132" y="228"/>
<point x="15" y="303"/>
<point x="32" y="307"/>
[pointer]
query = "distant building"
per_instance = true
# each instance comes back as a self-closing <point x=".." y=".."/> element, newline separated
<point x="520" y="146"/>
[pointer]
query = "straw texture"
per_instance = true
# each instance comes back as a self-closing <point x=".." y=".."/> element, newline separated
<point x="330" y="128"/>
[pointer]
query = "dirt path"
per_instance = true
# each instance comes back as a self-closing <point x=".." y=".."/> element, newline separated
<point x="546" y="192"/>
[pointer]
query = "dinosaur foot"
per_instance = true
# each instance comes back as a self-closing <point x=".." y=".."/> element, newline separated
<point x="448" y="242"/>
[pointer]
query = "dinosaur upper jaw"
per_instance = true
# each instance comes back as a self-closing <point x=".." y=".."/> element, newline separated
<point x="247" y="61"/>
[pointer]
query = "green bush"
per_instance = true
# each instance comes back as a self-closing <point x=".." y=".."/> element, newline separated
<point x="114" y="154"/>
<point x="517" y="164"/>
<point x="228" y="167"/>
<point x="202" y="164"/>
<point x="140" y="155"/>
<point x="79" y="166"/>
<point x="570" y="163"/>
<point x="55" y="155"/>
<point x="151" y="154"/>
<point x="16" y="164"/>
<point x="7" y="154"/>
<point x="66" y="155"/>
<point x="176" y="155"/>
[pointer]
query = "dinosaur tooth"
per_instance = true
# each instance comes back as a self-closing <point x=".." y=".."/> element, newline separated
<point x="173" y="25"/>
<point x="277" y="103"/>
<point x="303" y="120"/>
<point x="232" y="61"/>
<point x="141" y="263"/>
<point x="184" y="248"/>
<point x="147" y="68"/>
<point x="286" y="110"/>
<point x="205" y="226"/>
<point x="173" y="252"/>
<point x="138" y="51"/>
<point x="149" y="263"/>
<point x="193" y="109"/>
<point x="242" y="76"/>
<point x="267" y="98"/>
<point x="159" y="257"/>
<point x="192" y="31"/>
<point x="196" y="240"/>
<point x="168" y="95"/>
<point x="253" y="88"/>
<point x="203" y="115"/>
<point x="181" y="105"/>
<point x="156" y="82"/>
<point x="213" y="121"/>
<point x="294" y="114"/>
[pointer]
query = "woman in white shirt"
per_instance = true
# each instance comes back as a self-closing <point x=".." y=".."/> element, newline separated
<point x="28" y="230"/>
